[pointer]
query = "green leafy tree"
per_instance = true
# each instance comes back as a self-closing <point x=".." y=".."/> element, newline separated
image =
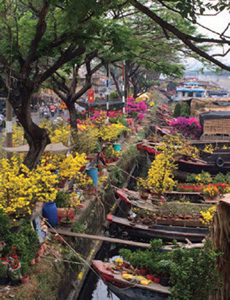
<point x="38" y="37"/>
<point x="177" y="110"/>
<point x="185" y="110"/>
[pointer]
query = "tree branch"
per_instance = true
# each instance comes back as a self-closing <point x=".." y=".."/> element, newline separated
<point x="40" y="30"/>
<point x="183" y="37"/>
<point x="69" y="54"/>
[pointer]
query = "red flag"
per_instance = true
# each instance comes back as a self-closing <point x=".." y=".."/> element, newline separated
<point x="90" y="96"/>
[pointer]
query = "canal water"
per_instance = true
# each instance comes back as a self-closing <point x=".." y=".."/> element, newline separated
<point x="94" y="287"/>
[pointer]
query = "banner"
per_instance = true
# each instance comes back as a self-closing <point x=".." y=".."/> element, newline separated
<point x="90" y="96"/>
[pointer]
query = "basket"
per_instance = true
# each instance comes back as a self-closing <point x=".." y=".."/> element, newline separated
<point x="217" y="127"/>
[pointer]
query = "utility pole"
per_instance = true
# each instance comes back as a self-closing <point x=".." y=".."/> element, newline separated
<point x="123" y="86"/>
<point x="9" y="117"/>
<point x="107" y="92"/>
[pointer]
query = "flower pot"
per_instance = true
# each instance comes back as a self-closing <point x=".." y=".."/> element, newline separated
<point x="117" y="147"/>
<point x="25" y="279"/>
<point x="93" y="173"/>
<point x="156" y="279"/>
<point x="150" y="277"/>
<point x="144" y="196"/>
<point x="143" y="272"/>
<point x="37" y="259"/>
<point x="49" y="211"/>
<point x="33" y="262"/>
<point x="4" y="280"/>
<point x="66" y="223"/>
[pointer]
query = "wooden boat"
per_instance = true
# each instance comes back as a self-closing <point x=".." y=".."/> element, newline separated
<point x="215" y="143"/>
<point x="168" y="230"/>
<point x="127" y="290"/>
<point x="215" y="167"/>
<point x="133" y="198"/>
<point x="213" y="163"/>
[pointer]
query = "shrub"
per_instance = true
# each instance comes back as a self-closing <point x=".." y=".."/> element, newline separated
<point x="185" y="110"/>
<point x="177" y="109"/>
<point x="187" y="126"/>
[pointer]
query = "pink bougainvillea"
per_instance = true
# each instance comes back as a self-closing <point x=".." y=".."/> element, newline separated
<point x="187" y="126"/>
<point x="136" y="108"/>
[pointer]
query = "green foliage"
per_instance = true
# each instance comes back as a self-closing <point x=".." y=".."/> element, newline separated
<point x="114" y="95"/>
<point x="191" y="271"/>
<point x="78" y="227"/>
<point x="25" y="269"/>
<point x="185" y="110"/>
<point x="4" y="224"/>
<point x="116" y="176"/>
<point x="221" y="178"/>
<point x="202" y="178"/>
<point x="177" y="109"/>
<point x="194" y="273"/>
<point x="26" y="241"/>
<point x="63" y="199"/>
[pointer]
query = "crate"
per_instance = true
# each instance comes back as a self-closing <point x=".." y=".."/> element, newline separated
<point x="216" y="127"/>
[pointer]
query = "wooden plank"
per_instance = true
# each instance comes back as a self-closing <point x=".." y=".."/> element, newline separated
<point x="100" y="238"/>
<point x="119" y="241"/>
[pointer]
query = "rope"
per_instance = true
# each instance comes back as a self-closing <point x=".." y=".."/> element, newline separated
<point x="73" y="250"/>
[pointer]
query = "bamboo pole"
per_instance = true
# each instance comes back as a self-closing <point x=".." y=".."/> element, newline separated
<point x="119" y="241"/>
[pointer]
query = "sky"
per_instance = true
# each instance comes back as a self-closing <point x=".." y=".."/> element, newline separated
<point x="216" y="23"/>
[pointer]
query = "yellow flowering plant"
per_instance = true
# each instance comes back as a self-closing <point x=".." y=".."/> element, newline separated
<point x="44" y="181"/>
<point x="160" y="175"/>
<point x="209" y="148"/>
<point x="59" y="133"/>
<point x="17" y="137"/>
<point x="211" y="191"/>
<point x="207" y="216"/>
<point x="111" y="132"/>
<point x="176" y="144"/>
<point x="71" y="165"/>
<point x="21" y="188"/>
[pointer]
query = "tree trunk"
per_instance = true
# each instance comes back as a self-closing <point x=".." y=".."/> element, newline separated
<point x="220" y="237"/>
<point x="116" y="83"/>
<point x="135" y="90"/>
<point x="73" y="122"/>
<point x="37" y="138"/>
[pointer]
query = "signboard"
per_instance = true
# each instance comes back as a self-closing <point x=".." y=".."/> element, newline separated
<point x="63" y="105"/>
<point x="90" y="96"/>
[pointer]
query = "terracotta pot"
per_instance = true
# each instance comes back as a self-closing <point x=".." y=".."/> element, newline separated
<point x="37" y="259"/>
<point x="33" y="262"/>
<point x="25" y="279"/>
<point x="156" y="279"/>
<point x="40" y="251"/>
<point x="143" y="272"/>
<point x="144" y="196"/>
<point x="150" y="277"/>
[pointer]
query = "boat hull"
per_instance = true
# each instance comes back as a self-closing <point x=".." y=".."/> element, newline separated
<point x="167" y="233"/>
<point x="127" y="290"/>
<point x="132" y="293"/>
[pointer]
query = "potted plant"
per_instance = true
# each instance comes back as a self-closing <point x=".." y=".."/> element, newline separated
<point x="25" y="270"/>
<point x="4" y="266"/>
<point x="211" y="192"/>
<point x="66" y="222"/>
<point x="142" y="186"/>
<point x="15" y="272"/>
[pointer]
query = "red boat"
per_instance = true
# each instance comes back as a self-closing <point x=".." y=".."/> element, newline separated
<point x="127" y="290"/>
